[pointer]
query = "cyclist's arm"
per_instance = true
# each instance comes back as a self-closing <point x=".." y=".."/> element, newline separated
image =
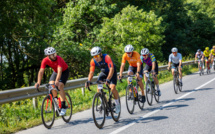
<point x="110" y="73"/>
<point x="122" y="68"/>
<point x="180" y="60"/>
<point x="40" y="75"/>
<point x="110" y="66"/>
<point x="92" y="69"/>
<point x="153" y="66"/>
<point x="138" y="67"/>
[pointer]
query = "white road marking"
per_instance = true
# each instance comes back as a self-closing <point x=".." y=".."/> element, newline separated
<point x="159" y="109"/>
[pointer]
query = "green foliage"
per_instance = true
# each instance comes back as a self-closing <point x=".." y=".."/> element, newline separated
<point x="131" y="26"/>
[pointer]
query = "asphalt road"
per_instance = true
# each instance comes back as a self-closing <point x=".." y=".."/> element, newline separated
<point x="192" y="111"/>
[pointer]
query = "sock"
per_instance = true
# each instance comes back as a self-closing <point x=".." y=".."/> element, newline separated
<point x="158" y="87"/>
<point x="63" y="104"/>
<point x="117" y="101"/>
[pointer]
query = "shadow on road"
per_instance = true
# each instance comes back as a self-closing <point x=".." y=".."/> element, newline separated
<point x="202" y="89"/>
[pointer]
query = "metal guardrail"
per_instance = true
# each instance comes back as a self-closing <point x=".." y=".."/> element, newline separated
<point x="30" y="92"/>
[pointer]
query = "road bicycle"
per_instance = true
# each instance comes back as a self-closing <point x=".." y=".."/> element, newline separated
<point x="201" y="70"/>
<point x="51" y="105"/>
<point x="102" y="105"/>
<point x="176" y="82"/>
<point x="150" y="89"/>
<point x="208" y="66"/>
<point x="214" y="63"/>
<point x="132" y="95"/>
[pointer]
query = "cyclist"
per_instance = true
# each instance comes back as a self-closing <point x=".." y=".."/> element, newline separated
<point x="198" y="56"/>
<point x="176" y="59"/>
<point x="206" y="56"/>
<point x="212" y="55"/>
<point x="134" y="61"/>
<point x="59" y="76"/>
<point x="108" y="72"/>
<point x="151" y="65"/>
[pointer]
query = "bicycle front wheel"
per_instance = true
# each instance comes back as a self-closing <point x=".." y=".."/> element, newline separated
<point x="98" y="110"/>
<point x="149" y="92"/>
<point x="157" y="97"/>
<point x="130" y="99"/>
<point x="175" y="84"/>
<point x="140" y="104"/>
<point x="112" y="105"/>
<point x="48" y="112"/>
<point x="68" y="103"/>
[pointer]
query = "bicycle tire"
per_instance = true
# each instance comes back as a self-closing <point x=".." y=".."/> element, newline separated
<point x="156" y="96"/>
<point x="48" y="117"/>
<point x="175" y="84"/>
<point x="140" y="104"/>
<point x="149" y="92"/>
<point x="98" y="108"/>
<point x="130" y="101"/>
<point x="68" y="103"/>
<point x="112" y="105"/>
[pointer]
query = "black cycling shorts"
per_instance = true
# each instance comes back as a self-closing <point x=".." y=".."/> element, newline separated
<point x="64" y="77"/>
<point x="104" y="75"/>
<point x="175" y="65"/>
<point x="134" y="70"/>
<point x="149" y="68"/>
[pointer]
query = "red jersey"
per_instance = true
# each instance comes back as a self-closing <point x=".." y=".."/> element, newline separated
<point x="54" y="64"/>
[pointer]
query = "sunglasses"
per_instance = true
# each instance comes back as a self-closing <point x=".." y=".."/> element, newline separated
<point x="128" y="52"/>
<point x="144" y="55"/>
<point x="96" y="56"/>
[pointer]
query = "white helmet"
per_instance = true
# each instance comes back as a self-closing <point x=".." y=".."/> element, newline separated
<point x="95" y="51"/>
<point x="129" y="48"/>
<point x="174" y="49"/>
<point x="49" y="51"/>
<point x="144" y="51"/>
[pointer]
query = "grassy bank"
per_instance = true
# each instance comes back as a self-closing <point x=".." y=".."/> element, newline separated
<point x="20" y="115"/>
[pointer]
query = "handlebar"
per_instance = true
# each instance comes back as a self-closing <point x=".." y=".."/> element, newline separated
<point x="98" y="82"/>
<point x="47" y="87"/>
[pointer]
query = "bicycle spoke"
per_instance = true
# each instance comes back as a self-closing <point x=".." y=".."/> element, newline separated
<point x="130" y="100"/>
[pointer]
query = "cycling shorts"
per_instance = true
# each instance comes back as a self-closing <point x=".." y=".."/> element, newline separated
<point x="64" y="76"/>
<point x="149" y="68"/>
<point x="134" y="70"/>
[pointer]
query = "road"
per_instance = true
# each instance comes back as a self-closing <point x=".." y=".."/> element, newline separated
<point x="191" y="111"/>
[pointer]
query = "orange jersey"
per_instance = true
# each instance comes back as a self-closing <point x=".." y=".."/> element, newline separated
<point x="132" y="60"/>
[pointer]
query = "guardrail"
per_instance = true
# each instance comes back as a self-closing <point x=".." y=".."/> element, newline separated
<point x="30" y="92"/>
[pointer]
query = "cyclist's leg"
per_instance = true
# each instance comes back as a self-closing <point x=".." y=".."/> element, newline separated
<point x="101" y="77"/>
<point x="173" y="68"/>
<point x="130" y="71"/>
<point x="146" y="69"/>
<point x="140" y="82"/>
<point x="52" y="81"/>
<point x="63" y="80"/>
<point x="155" y="78"/>
<point x="180" y="73"/>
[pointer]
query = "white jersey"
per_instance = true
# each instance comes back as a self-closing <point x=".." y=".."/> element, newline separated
<point x="199" y="56"/>
<point x="175" y="59"/>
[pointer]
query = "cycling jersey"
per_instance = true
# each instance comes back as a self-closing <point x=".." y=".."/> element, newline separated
<point x="104" y="65"/>
<point x="149" y="60"/>
<point x="199" y="56"/>
<point x="133" y="60"/>
<point x="212" y="52"/>
<point x="206" y="53"/>
<point x="59" y="62"/>
<point x="175" y="59"/>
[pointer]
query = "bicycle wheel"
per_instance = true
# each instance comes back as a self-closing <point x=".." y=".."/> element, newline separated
<point x="68" y="103"/>
<point x="149" y="95"/>
<point x="98" y="110"/>
<point x="112" y="105"/>
<point x="157" y="97"/>
<point x="175" y="84"/>
<point x="130" y="100"/>
<point x="47" y="112"/>
<point x="140" y="104"/>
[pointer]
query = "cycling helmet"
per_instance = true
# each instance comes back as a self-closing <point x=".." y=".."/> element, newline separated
<point x="174" y="49"/>
<point x="95" y="51"/>
<point x="144" y="51"/>
<point x="49" y="51"/>
<point x="199" y="50"/>
<point x="207" y="48"/>
<point x="129" y="48"/>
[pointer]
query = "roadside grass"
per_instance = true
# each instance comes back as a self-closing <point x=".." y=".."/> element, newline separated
<point x="21" y="115"/>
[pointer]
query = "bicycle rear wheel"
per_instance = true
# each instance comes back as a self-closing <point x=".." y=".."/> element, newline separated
<point x="112" y="105"/>
<point x="48" y="112"/>
<point x="98" y="110"/>
<point x="175" y="84"/>
<point x="149" y="95"/>
<point x="130" y="100"/>
<point x="68" y="103"/>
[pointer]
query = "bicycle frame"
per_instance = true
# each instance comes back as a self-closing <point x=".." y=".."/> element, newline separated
<point x="130" y="83"/>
